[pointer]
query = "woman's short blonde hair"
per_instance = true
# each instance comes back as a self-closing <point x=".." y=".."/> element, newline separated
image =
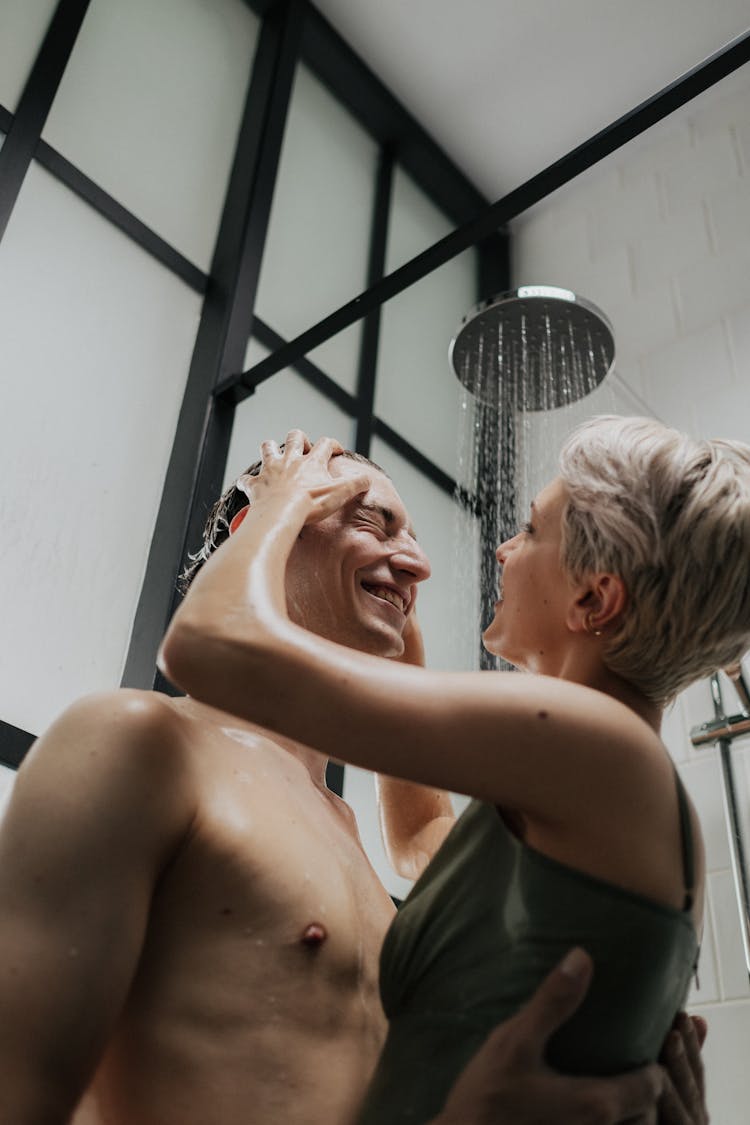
<point x="671" y="516"/>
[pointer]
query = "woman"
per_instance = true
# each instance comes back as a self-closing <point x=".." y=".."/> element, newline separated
<point x="630" y="581"/>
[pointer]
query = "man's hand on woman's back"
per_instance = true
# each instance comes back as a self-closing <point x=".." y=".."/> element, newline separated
<point x="509" y="1083"/>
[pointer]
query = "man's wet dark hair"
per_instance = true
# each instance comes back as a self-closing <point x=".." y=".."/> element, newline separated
<point x="224" y="511"/>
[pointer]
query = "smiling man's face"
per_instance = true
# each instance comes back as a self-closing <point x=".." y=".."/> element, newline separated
<point x="353" y="577"/>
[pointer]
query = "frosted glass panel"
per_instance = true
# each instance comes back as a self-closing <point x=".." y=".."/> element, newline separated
<point x="359" y="792"/>
<point x="416" y="392"/>
<point x="150" y="105"/>
<point x="284" y="402"/>
<point x="95" y="344"/>
<point x="315" y="257"/>
<point x="448" y="623"/>
<point x="23" y="25"/>
<point x="415" y="222"/>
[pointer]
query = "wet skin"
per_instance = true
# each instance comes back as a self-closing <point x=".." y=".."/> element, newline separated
<point x="196" y="927"/>
<point x="255" y="997"/>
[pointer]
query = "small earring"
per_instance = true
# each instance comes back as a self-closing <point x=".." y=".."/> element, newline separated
<point x="588" y="625"/>
<point x="238" y="518"/>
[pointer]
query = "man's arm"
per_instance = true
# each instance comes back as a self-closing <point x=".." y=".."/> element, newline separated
<point x="95" y="812"/>
<point x="508" y="1083"/>
<point x="414" y="819"/>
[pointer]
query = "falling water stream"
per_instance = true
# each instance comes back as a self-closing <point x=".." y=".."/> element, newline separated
<point x="532" y="365"/>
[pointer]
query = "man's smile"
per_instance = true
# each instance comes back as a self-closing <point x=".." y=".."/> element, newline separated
<point x="387" y="594"/>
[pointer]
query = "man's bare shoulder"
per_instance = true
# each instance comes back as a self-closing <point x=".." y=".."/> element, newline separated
<point x="123" y="737"/>
<point x="131" y="709"/>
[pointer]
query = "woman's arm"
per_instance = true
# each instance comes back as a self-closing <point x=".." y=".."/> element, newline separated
<point x="490" y="735"/>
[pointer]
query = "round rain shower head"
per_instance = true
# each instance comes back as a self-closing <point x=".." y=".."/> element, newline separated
<point x="535" y="348"/>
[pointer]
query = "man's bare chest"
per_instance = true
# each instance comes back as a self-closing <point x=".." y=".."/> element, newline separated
<point x="274" y="872"/>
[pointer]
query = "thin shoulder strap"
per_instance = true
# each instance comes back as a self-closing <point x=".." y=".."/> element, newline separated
<point x="686" y="837"/>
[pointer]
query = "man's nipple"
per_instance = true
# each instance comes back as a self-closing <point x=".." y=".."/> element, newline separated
<point x="314" y="935"/>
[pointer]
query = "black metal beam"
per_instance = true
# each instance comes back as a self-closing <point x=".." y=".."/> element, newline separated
<point x="120" y="217"/>
<point x="348" y="77"/>
<point x="417" y="460"/>
<point x="357" y="87"/>
<point x="323" y="383"/>
<point x="196" y="466"/>
<point x="368" y="353"/>
<point x="14" y="745"/>
<point x="36" y="101"/>
<point x="489" y="221"/>
<point x="494" y="270"/>
<point x="494" y="265"/>
<point x="335" y="777"/>
<point x="114" y="212"/>
<point x="304" y="367"/>
<point x="260" y="7"/>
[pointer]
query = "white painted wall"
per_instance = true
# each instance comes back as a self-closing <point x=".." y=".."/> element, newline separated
<point x="658" y="236"/>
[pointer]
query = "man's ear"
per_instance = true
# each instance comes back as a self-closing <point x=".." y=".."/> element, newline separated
<point x="238" y="518"/>
<point x="597" y="603"/>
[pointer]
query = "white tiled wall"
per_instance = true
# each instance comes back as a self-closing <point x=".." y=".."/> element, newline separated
<point x="659" y="236"/>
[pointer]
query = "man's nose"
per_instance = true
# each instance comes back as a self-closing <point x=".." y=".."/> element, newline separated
<point x="413" y="560"/>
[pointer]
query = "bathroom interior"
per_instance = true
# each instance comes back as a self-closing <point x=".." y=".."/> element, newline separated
<point x="193" y="194"/>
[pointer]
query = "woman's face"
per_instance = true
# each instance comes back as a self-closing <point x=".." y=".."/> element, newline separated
<point x="529" y="627"/>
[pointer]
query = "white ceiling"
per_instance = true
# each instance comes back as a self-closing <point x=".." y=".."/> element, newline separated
<point x="507" y="87"/>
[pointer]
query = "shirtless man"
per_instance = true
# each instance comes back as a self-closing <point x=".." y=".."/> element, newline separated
<point x="190" y="926"/>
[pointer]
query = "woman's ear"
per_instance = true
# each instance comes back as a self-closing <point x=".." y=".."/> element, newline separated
<point x="598" y="602"/>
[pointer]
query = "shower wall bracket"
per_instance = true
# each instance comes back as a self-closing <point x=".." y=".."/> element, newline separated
<point x="723" y="729"/>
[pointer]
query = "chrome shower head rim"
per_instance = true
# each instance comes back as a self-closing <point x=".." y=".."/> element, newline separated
<point x="535" y="313"/>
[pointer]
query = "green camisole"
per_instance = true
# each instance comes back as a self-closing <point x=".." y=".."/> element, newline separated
<point x="483" y="925"/>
